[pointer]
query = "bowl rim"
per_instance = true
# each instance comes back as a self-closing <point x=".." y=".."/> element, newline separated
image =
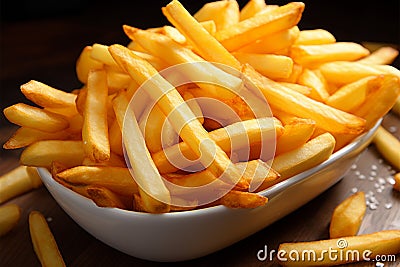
<point x="269" y="192"/>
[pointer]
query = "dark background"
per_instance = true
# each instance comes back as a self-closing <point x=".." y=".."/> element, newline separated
<point x="42" y="39"/>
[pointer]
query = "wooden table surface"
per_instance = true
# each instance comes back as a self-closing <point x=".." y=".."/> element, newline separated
<point x="45" y="50"/>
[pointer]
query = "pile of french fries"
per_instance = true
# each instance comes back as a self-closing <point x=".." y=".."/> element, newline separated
<point x="322" y="94"/>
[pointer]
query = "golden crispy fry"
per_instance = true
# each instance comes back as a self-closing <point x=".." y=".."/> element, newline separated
<point x="295" y="134"/>
<point x="157" y="130"/>
<point x="343" y="72"/>
<point x="96" y="144"/>
<point x="388" y="145"/>
<point x="43" y="241"/>
<point x="116" y="179"/>
<point x="305" y="157"/>
<point x="9" y="217"/>
<point x="272" y="43"/>
<point x="317" y="83"/>
<point x="315" y="37"/>
<point x="265" y="23"/>
<point x="114" y="161"/>
<point x="396" y="185"/>
<point x="115" y="136"/>
<point x="350" y="96"/>
<point x="85" y="63"/>
<point x="251" y="131"/>
<point x="36" y="118"/>
<point x="384" y="98"/>
<point x="17" y="182"/>
<point x="191" y="131"/>
<point x="207" y="46"/>
<point x="26" y="136"/>
<point x="347" y="216"/>
<point x="251" y="8"/>
<point x="194" y="106"/>
<point x="103" y="197"/>
<point x="271" y="66"/>
<point x="245" y="200"/>
<point x="223" y="13"/>
<point x="294" y="76"/>
<point x="46" y="96"/>
<point x="146" y="173"/>
<point x="396" y="106"/>
<point x="163" y="46"/>
<point x="254" y="170"/>
<point x="352" y="249"/>
<point x="313" y="55"/>
<point x="117" y="81"/>
<point x="326" y="117"/>
<point x="302" y="89"/>
<point x="43" y="153"/>
<point x="381" y="56"/>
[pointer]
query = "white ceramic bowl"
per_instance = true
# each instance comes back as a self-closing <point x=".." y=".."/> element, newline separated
<point x="186" y="235"/>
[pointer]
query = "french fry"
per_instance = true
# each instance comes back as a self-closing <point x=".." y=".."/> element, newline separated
<point x="347" y="216"/>
<point x="255" y="171"/>
<point x="295" y="134"/>
<point x="294" y="76"/>
<point x="366" y="246"/>
<point x="46" y="96"/>
<point x="24" y="136"/>
<point x="352" y="95"/>
<point x="388" y="145"/>
<point x="43" y="153"/>
<point x="315" y="37"/>
<point x="343" y="72"/>
<point x="36" y="118"/>
<point x="115" y="136"/>
<point x="271" y="66"/>
<point x="9" y="217"/>
<point x="396" y="106"/>
<point x="103" y="197"/>
<point x="313" y="55"/>
<point x="17" y="182"/>
<point x="245" y="200"/>
<point x="272" y="43"/>
<point x="96" y="144"/>
<point x="116" y="179"/>
<point x="223" y="13"/>
<point x="382" y="56"/>
<point x="146" y="173"/>
<point x="326" y="117"/>
<point x="254" y="28"/>
<point x="160" y="45"/>
<point x="317" y="83"/>
<point x="305" y="157"/>
<point x="117" y="81"/>
<point x="191" y="131"/>
<point x="194" y="106"/>
<point x="251" y="131"/>
<point x="396" y="185"/>
<point x="251" y="8"/>
<point x="302" y="89"/>
<point x="114" y="161"/>
<point x="207" y="46"/>
<point x="43" y="241"/>
<point x="384" y="98"/>
<point x="85" y="63"/>
<point x="157" y="130"/>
